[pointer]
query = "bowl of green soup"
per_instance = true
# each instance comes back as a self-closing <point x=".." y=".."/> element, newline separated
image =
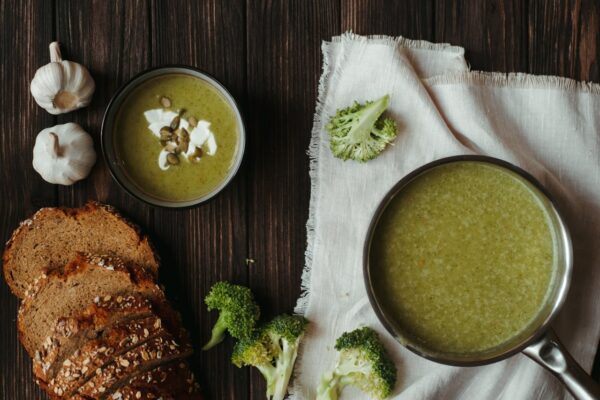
<point x="467" y="261"/>
<point x="173" y="137"/>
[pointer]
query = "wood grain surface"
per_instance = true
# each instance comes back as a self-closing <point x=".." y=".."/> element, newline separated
<point x="267" y="53"/>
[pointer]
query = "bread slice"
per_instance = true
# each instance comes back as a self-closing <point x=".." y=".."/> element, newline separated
<point x="72" y="333"/>
<point x="81" y="366"/>
<point x="155" y="352"/>
<point x="52" y="237"/>
<point x="64" y="293"/>
<point x="173" y="381"/>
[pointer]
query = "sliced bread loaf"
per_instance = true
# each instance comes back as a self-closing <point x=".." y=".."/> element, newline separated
<point x="64" y="293"/>
<point x="52" y="236"/>
<point x="71" y="333"/>
<point x="173" y="381"/>
<point x="155" y="352"/>
<point x="81" y="366"/>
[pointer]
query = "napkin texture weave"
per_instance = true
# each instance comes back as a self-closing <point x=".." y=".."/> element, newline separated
<point x="546" y="125"/>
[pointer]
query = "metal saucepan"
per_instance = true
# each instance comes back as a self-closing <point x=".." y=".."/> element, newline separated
<point x="537" y="340"/>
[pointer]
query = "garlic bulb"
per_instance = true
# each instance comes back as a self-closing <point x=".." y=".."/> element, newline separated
<point x="63" y="154"/>
<point x="62" y="86"/>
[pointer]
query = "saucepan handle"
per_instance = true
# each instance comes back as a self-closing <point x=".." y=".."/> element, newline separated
<point x="549" y="352"/>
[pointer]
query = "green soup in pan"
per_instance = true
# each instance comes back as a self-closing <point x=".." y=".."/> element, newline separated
<point x="463" y="257"/>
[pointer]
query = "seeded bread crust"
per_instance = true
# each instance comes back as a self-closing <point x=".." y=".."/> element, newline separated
<point x="81" y="366"/>
<point x="174" y="381"/>
<point x="52" y="236"/>
<point x="61" y="294"/>
<point x="158" y="351"/>
<point x="71" y="333"/>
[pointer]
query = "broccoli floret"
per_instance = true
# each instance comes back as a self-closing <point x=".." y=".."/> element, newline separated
<point x="238" y="312"/>
<point x="273" y="350"/>
<point x="362" y="362"/>
<point x="359" y="133"/>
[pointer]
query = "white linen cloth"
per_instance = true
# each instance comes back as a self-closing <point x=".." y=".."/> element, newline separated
<point x="547" y="125"/>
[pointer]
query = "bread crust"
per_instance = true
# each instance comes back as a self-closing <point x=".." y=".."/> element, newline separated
<point x="149" y="355"/>
<point x="96" y="354"/>
<point x="173" y="381"/>
<point x="10" y="264"/>
<point x="92" y="323"/>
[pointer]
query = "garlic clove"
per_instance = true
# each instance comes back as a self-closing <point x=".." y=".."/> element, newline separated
<point x="50" y="80"/>
<point x="63" y="154"/>
<point x="62" y="86"/>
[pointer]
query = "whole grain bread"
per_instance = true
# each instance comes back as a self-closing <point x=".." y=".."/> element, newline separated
<point x="173" y="381"/>
<point x="52" y="237"/>
<point x="81" y="366"/>
<point x="72" y="333"/>
<point x="64" y="293"/>
<point x="151" y="354"/>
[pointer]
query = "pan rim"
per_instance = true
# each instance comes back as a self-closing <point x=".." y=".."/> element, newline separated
<point x="471" y="359"/>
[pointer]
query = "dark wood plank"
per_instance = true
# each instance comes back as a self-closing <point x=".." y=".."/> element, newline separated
<point x="563" y="38"/>
<point x="26" y="30"/>
<point x="112" y="40"/>
<point x="268" y="54"/>
<point x="284" y="64"/>
<point x="494" y="33"/>
<point x="201" y="245"/>
<point x="413" y="19"/>
<point x="208" y="243"/>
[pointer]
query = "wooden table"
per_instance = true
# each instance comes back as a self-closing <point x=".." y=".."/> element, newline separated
<point x="268" y="54"/>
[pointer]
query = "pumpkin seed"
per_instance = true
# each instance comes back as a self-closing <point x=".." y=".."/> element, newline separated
<point x="184" y="134"/>
<point x="183" y="146"/>
<point x="165" y="130"/>
<point x="175" y="123"/>
<point x="193" y="122"/>
<point x="196" y="155"/>
<point x="165" y="102"/>
<point x="172" y="159"/>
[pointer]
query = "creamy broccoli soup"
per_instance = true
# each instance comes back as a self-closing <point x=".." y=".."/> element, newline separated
<point x="176" y="136"/>
<point x="463" y="258"/>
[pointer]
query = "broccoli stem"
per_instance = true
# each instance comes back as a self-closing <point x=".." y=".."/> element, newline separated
<point x="269" y="373"/>
<point x="218" y="333"/>
<point x="329" y="388"/>
<point x="278" y="376"/>
<point x="360" y="132"/>
<point x="284" y="368"/>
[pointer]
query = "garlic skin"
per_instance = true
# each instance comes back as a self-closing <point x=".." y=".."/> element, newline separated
<point x="62" y="86"/>
<point x="63" y="154"/>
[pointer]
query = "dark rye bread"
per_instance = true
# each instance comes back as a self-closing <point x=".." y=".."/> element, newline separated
<point x="173" y="381"/>
<point x="81" y="366"/>
<point x="64" y="293"/>
<point x="72" y="333"/>
<point x="155" y="352"/>
<point x="52" y="237"/>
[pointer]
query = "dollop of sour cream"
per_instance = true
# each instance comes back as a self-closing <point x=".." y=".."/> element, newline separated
<point x="200" y="136"/>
